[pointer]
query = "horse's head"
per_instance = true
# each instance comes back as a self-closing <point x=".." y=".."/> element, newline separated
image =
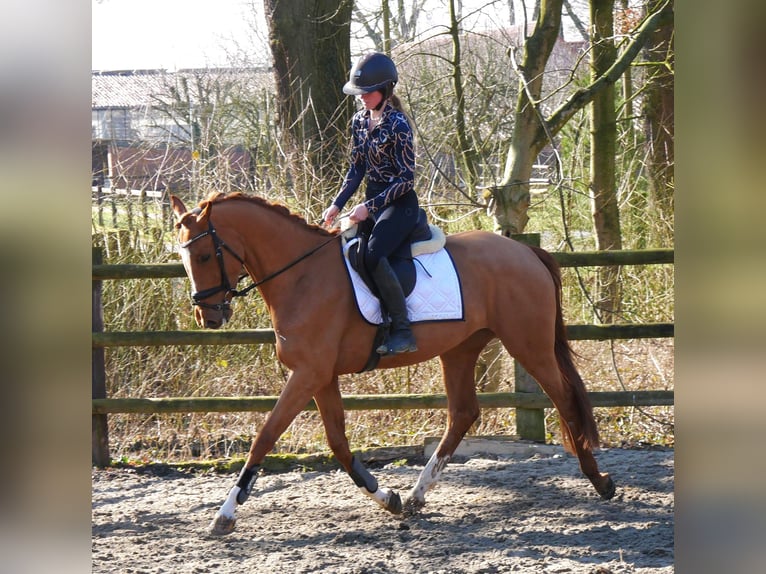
<point x="211" y="265"/>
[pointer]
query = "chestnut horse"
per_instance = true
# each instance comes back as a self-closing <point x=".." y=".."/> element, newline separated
<point x="510" y="290"/>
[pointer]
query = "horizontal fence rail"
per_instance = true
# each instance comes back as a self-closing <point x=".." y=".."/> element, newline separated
<point x="370" y="402"/>
<point x="527" y="402"/>
<point x="564" y="259"/>
<point x="266" y="336"/>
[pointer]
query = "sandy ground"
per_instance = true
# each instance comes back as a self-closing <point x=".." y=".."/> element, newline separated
<point x="524" y="512"/>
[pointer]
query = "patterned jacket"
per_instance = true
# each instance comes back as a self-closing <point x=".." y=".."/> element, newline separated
<point x="386" y="155"/>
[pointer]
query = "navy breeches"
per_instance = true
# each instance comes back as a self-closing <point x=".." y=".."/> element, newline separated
<point x="392" y="226"/>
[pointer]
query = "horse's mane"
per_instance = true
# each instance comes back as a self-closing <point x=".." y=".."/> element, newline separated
<point x="281" y="210"/>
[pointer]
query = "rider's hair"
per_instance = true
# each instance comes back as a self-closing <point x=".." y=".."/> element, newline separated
<point x="397" y="104"/>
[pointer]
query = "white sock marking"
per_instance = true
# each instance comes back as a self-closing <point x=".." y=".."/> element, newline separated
<point x="229" y="507"/>
<point x="381" y="496"/>
<point x="428" y="477"/>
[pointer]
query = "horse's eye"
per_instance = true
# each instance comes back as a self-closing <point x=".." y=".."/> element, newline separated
<point x="204" y="258"/>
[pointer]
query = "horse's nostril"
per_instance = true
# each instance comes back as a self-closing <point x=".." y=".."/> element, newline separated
<point x="212" y="324"/>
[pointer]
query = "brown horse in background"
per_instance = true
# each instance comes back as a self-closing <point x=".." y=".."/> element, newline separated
<point x="510" y="290"/>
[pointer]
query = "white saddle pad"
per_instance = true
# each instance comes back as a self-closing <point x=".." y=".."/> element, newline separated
<point x="436" y="297"/>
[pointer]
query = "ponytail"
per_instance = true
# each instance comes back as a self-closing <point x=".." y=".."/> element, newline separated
<point x="388" y="95"/>
<point x="397" y="104"/>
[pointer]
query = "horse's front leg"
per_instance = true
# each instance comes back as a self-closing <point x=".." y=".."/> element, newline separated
<point x="292" y="400"/>
<point x="330" y="404"/>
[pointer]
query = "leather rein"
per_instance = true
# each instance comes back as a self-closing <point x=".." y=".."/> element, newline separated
<point x="225" y="286"/>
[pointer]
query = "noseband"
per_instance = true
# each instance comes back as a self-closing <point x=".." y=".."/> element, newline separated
<point x="225" y="286"/>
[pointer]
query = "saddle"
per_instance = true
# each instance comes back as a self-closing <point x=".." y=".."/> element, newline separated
<point x="424" y="238"/>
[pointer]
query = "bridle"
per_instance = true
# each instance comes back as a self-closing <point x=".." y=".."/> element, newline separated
<point x="225" y="286"/>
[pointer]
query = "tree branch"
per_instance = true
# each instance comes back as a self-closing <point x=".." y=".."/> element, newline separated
<point x="581" y="98"/>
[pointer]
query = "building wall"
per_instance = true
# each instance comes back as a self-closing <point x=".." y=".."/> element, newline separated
<point x="172" y="168"/>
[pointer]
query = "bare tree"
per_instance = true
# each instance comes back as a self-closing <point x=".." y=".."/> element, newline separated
<point x="387" y="28"/>
<point x="603" y="192"/>
<point x="511" y="13"/>
<point x="532" y="129"/>
<point x="467" y="152"/>
<point x="572" y="14"/>
<point x="510" y="199"/>
<point x="309" y="43"/>
<point x="659" y="115"/>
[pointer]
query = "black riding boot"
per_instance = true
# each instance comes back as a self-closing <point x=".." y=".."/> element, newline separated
<point x="400" y="339"/>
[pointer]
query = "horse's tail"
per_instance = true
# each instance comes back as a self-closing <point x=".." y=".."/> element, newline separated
<point x="564" y="357"/>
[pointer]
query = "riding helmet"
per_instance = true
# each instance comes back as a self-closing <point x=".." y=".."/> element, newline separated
<point x="373" y="71"/>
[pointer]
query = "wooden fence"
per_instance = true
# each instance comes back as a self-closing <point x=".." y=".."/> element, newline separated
<point x="528" y="400"/>
<point x="145" y="205"/>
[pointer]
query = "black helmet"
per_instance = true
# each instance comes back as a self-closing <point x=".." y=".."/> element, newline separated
<point x="373" y="71"/>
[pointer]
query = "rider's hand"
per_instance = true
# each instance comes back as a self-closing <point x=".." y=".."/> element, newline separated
<point x="329" y="214"/>
<point x="359" y="213"/>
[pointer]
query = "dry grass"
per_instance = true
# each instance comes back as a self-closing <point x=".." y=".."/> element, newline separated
<point x="605" y="366"/>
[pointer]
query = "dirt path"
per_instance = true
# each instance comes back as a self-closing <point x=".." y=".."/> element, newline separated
<point x="489" y="514"/>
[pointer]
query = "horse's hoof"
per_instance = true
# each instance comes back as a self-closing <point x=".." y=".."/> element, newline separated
<point x="394" y="503"/>
<point x="222" y="525"/>
<point x="412" y="506"/>
<point x="607" y="489"/>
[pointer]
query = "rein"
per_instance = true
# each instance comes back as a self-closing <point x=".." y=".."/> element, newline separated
<point x="225" y="286"/>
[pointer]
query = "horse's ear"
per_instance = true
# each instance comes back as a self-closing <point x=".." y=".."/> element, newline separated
<point x="178" y="207"/>
<point x="204" y="214"/>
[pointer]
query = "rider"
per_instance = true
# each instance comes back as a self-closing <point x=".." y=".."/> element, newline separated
<point x="383" y="150"/>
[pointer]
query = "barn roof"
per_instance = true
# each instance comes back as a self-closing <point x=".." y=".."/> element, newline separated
<point x="138" y="88"/>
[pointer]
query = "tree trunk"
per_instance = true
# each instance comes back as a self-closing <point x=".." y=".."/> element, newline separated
<point x="465" y="146"/>
<point x="625" y="26"/>
<point x="309" y="43"/>
<point x="510" y="199"/>
<point x="386" y="27"/>
<point x="659" y="114"/>
<point x="604" y="204"/>
<point x="581" y="28"/>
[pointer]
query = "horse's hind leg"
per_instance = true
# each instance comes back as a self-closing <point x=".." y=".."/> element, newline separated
<point x="578" y="427"/>
<point x="330" y="404"/>
<point x="463" y="410"/>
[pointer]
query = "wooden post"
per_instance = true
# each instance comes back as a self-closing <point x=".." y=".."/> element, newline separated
<point x="114" y="207"/>
<point x="142" y="200"/>
<point x="100" y="204"/>
<point x="167" y="213"/>
<point x="123" y="240"/>
<point x="129" y="205"/>
<point x="530" y="423"/>
<point x="99" y="424"/>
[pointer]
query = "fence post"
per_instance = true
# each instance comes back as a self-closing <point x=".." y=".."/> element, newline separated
<point x="99" y="425"/>
<point x="114" y="206"/>
<point x="530" y="423"/>
<point x="100" y="203"/>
